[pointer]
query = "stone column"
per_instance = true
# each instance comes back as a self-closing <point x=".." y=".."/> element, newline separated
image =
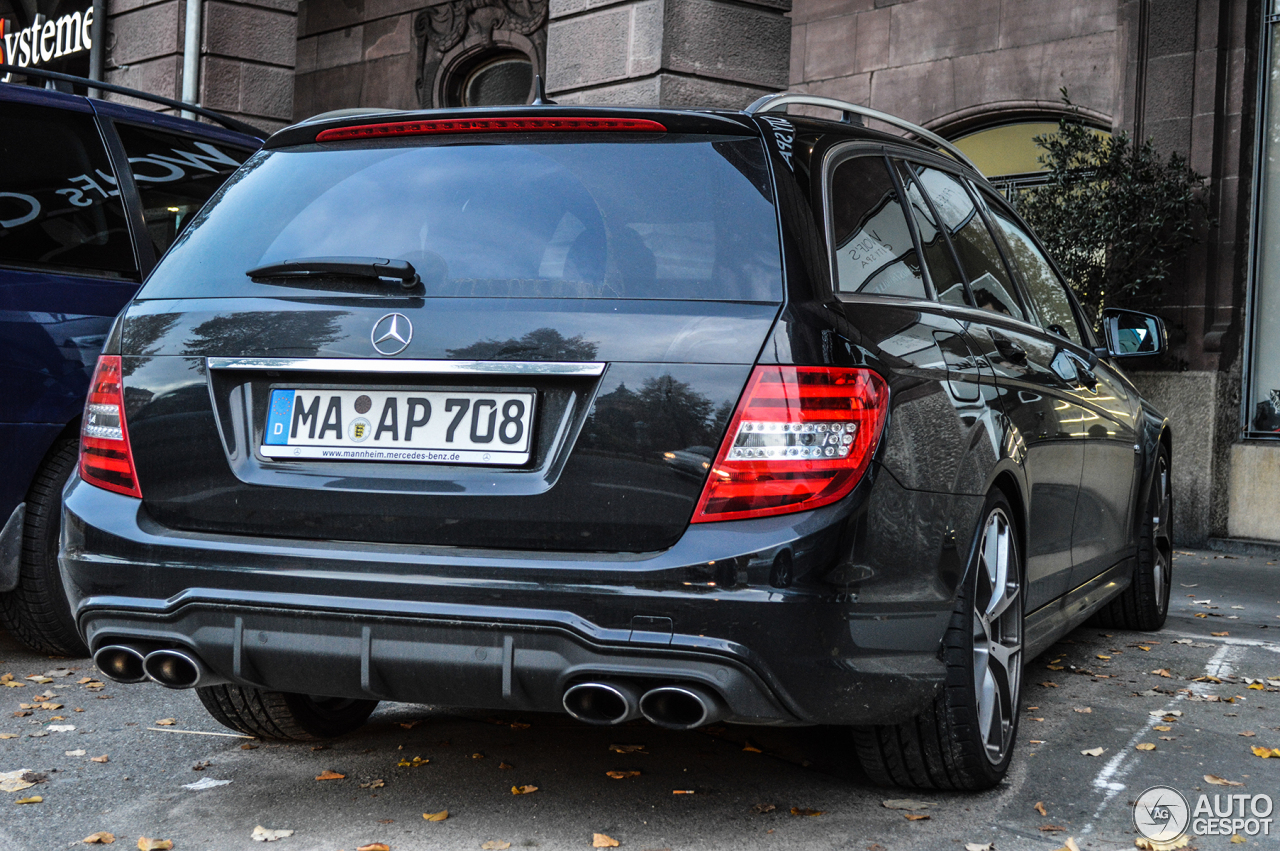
<point x="247" y="54"/>
<point x="667" y="52"/>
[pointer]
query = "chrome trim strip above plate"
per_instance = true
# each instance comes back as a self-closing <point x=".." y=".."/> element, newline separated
<point x="416" y="367"/>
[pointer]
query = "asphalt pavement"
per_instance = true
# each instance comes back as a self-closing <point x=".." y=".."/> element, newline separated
<point x="1182" y="690"/>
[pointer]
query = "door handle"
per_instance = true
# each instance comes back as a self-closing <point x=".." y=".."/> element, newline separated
<point x="1011" y="350"/>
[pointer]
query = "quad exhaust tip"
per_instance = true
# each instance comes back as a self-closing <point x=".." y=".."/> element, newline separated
<point x="602" y="702"/>
<point x="681" y="707"/>
<point x="121" y="663"/>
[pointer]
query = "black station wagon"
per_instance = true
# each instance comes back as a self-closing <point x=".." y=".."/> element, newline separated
<point x="689" y="415"/>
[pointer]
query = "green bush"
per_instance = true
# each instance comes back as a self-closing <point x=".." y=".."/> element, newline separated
<point x="1114" y="214"/>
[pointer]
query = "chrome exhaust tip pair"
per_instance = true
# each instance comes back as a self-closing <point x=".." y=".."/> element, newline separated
<point x="676" y="707"/>
<point x="176" y="669"/>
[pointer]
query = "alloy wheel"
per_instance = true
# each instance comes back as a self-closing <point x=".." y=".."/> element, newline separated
<point x="1162" y="533"/>
<point x="997" y="636"/>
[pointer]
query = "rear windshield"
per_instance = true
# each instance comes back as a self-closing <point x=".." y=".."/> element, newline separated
<point x="681" y="217"/>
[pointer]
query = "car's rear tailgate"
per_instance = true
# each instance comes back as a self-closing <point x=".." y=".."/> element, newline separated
<point x="619" y="387"/>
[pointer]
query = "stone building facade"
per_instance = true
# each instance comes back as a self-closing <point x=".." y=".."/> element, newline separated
<point x="1190" y="74"/>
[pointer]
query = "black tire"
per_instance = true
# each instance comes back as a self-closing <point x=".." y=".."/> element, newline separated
<point x="1144" y="605"/>
<point x="946" y="745"/>
<point x="284" y="715"/>
<point x="37" y="612"/>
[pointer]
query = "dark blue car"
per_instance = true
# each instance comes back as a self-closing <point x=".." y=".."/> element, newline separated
<point x="91" y="195"/>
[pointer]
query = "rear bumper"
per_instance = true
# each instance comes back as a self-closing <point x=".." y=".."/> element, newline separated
<point x="771" y="615"/>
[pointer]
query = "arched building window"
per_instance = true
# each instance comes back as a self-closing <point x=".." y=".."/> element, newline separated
<point x="1000" y="139"/>
<point x="480" y="52"/>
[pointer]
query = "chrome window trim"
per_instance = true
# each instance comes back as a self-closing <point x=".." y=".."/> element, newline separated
<point x="413" y="367"/>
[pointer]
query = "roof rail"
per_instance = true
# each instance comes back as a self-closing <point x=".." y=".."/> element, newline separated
<point x="225" y="120"/>
<point x="774" y="103"/>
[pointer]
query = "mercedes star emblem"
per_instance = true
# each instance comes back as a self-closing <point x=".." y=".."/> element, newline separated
<point x="391" y="334"/>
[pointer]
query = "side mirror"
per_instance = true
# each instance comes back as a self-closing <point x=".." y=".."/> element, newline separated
<point x="1131" y="334"/>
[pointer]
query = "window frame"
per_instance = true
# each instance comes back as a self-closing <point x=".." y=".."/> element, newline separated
<point x="1090" y="342"/>
<point x="108" y="141"/>
<point x="832" y="159"/>
<point x="136" y="214"/>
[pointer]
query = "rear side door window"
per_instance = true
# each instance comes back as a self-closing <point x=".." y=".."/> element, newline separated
<point x="1045" y="289"/>
<point x="60" y="208"/>
<point x="989" y="279"/>
<point x="175" y="175"/>
<point x="874" y="251"/>
<point x="944" y="270"/>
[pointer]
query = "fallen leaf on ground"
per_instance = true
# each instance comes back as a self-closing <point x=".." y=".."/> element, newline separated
<point x="622" y="775"/>
<point x="627" y="748"/>
<point x="1144" y="746"/>
<point x="266" y="834"/>
<point x="166" y="722"/>
<point x="519" y="725"/>
<point x="1093" y="752"/>
<point x="330" y="774"/>
<point x="1049" y="685"/>
<point x="34" y="799"/>
<point x="906" y="804"/>
<point x="8" y="735"/>
<point x="505" y="765"/>
<point x="1055" y="667"/>
<point x="409" y="725"/>
<point x="805" y="811"/>
<point x="599" y="840"/>
<point x="102" y="758"/>
<point x="1052" y="828"/>
<point x="1219" y="634"/>
<point x="1248" y="734"/>
<point x="978" y="846"/>
<point x="1265" y="752"/>
<point x="915" y="816"/>
<point x="1237" y="839"/>
<point x="102" y="837"/>
<point x="1086" y="710"/>
<point x="750" y="748"/>
<point x="375" y="846"/>
<point x="523" y="790"/>
<point x="1220" y="781"/>
<point x="1163" y="728"/>
<point x="38" y="678"/>
<point x="412" y="763"/>
<point x="1101" y="656"/>
<point x="147" y="844"/>
<point x="477" y="755"/>
<point x="1040" y="808"/>
<point x="199" y="766"/>
<point x="498" y="845"/>
<point x="1163" y="672"/>
<point x="1070" y="845"/>
<point x="1182" y="641"/>
<point x="764" y="808"/>
<point x="681" y="791"/>
<point x="248" y="747"/>
<point x="440" y="816"/>
<point x="373" y="784"/>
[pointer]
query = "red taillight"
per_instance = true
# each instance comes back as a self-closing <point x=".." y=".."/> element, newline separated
<point x="488" y="125"/>
<point x="801" y="438"/>
<point x="105" y="457"/>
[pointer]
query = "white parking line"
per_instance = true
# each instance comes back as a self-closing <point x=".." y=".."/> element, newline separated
<point x="1120" y="765"/>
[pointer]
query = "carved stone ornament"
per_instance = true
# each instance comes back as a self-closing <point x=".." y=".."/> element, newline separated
<point x="453" y="33"/>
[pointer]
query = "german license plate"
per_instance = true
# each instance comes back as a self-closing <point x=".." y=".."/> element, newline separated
<point x="430" y="426"/>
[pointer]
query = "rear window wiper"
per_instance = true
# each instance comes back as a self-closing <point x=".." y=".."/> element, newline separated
<point x="376" y="268"/>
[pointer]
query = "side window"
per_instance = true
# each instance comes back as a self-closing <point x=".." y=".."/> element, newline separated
<point x="947" y="278"/>
<point x="874" y="250"/>
<point x="1044" y="288"/>
<point x="988" y="278"/>
<point x="59" y="205"/>
<point x="175" y="176"/>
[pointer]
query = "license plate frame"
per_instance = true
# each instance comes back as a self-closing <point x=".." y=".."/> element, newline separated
<point x="405" y="435"/>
